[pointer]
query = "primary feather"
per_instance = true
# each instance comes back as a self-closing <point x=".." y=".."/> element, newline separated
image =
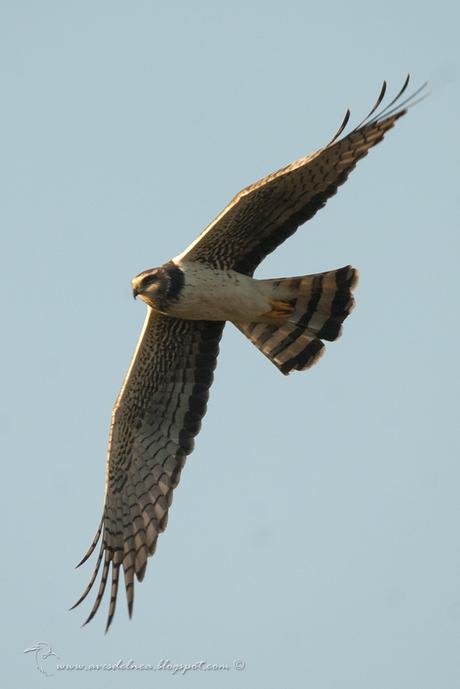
<point x="163" y="399"/>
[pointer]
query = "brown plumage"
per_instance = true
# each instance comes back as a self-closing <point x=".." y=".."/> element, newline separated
<point x="163" y="399"/>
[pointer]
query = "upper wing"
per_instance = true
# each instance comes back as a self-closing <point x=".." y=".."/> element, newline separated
<point x="154" y="421"/>
<point x="264" y="214"/>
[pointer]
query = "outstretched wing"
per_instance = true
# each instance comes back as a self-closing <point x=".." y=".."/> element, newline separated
<point x="154" y="421"/>
<point x="266" y="213"/>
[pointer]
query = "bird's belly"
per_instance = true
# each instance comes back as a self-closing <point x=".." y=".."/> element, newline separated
<point x="219" y="296"/>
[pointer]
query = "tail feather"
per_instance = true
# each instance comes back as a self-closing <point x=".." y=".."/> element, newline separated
<point x="320" y="303"/>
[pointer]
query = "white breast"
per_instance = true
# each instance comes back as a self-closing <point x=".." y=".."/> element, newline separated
<point x="217" y="295"/>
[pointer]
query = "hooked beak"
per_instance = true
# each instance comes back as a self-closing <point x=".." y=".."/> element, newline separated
<point x="135" y="292"/>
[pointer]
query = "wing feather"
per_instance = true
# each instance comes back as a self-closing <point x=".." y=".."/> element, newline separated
<point x="164" y="396"/>
<point x="155" y="419"/>
<point x="263" y="215"/>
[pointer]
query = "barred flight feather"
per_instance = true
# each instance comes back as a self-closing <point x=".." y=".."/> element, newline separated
<point x="320" y="304"/>
<point x="263" y="215"/>
<point x="163" y="399"/>
<point x="151" y="435"/>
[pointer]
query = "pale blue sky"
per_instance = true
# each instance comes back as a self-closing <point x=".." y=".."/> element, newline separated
<point x="315" y="532"/>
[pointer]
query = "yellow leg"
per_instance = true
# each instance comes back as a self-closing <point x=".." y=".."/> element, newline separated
<point x="280" y="309"/>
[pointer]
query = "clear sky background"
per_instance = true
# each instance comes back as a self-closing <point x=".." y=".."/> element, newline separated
<point x="315" y="532"/>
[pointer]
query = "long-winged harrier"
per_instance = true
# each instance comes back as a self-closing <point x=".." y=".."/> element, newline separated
<point x="163" y="399"/>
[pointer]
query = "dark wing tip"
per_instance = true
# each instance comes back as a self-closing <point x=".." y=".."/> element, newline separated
<point x="341" y="128"/>
<point x="405" y="85"/>
<point x="397" y="108"/>
<point x="130" y="600"/>
<point x="90" y="617"/>
<point x="100" y="592"/>
<point x="394" y="108"/>
<point x="380" y="98"/>
<point x="94" y="543"/>
<point x="109" y="621"/>
<point x="113" y="593"/>
<point x="92" y="580"/>
<point x="102" y="584"/>
<point x="75" y="604"/>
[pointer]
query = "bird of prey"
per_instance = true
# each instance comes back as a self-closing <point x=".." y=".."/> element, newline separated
<point x="164" y="395"/>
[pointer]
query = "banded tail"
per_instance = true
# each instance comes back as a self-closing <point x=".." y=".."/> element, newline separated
<point x="315" y="307"/>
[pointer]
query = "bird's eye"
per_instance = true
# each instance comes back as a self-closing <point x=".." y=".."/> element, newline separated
<point x="148" y="280"/>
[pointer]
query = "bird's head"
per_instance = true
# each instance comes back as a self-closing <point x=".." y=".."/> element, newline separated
<point x="149" y="286"/>
<point x="159" y="287"/>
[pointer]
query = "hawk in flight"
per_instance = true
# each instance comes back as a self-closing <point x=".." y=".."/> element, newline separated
<point x="163" y="398"/>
